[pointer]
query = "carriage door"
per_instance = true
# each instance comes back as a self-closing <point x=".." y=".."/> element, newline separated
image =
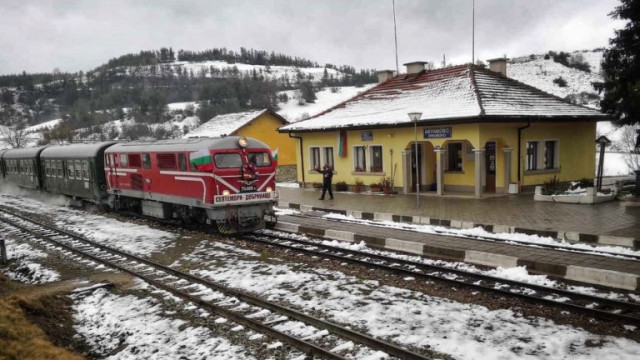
<point x="490" y="166"/>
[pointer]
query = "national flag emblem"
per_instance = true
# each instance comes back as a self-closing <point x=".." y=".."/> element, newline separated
<point x="274" y="154"/>
<point x="201" y="159"/>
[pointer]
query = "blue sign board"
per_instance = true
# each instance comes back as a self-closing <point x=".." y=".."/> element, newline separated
<point x="437" y="133"/>
<point x="366" y="135"/>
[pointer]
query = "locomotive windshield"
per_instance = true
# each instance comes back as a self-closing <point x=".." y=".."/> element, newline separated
<point x="260" y="159"/>
<point x="232" y="160"/>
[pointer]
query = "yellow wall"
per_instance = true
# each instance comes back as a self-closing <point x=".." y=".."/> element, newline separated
<point x="576" y="149"/>
<point x="265" y="128"/>
<point x="575" y="146"/>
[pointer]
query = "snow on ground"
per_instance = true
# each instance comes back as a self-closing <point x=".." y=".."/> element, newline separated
<point x="182" y="105"/>
<point x="106" y="322"/>
<point x="129" y="237"/>
<point x="465" y="331"/>
<point x="24" y="258"/>
<point x="326" y="99"/>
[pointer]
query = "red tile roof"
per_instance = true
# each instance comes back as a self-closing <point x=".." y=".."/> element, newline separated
<point x="456" y="94"/>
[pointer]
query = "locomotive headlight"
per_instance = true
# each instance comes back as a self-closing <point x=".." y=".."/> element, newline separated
<point x="242" y="142"/>
<point x="226" y="192"/>
<point x="269" y="189"/>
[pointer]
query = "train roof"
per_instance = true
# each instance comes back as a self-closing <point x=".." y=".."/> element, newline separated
<point x="180" y="145"/>
<point x="74" y="151"/>
<point x="23" y="153"/>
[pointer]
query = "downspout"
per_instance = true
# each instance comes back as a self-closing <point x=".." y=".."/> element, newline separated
<point x="301" y="157"/>
<point x="520" y="148"/>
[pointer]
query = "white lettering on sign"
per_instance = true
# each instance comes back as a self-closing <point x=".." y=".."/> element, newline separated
<point x="238" y="198"/>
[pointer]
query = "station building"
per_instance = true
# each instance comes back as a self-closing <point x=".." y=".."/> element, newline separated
<point x="474" y="131"/>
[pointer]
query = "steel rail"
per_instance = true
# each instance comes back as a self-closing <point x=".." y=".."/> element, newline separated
<point x="577" y="308"/>
<point x="364" y="339"/>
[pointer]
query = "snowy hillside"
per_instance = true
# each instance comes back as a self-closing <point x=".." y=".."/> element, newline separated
<point x="540" y="73"/>
<point x="326" y="98"/>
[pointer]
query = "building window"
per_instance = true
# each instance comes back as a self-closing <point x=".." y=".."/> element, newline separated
<point x="454" y="156"/>
<point x="359" y="158"/>
<point x="328" y="155"/>
<point x="315" y="157"/>
<point x="532" y="155"/>
<point x="376" y="158"/>
<point x="550" y="154"/>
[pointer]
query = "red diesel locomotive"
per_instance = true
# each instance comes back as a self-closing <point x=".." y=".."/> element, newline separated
<point x="228" y="182"/>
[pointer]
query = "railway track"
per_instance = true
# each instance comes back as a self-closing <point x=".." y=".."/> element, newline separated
<point x="622" y="312"/>
<point x="243" y="308"/>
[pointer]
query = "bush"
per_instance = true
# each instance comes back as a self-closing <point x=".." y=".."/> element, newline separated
<point x="560" y="81"/>
<point x="341" y="186"/>
<point x="553" y="186"/>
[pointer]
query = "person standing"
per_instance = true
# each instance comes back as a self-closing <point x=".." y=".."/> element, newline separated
<point x="327" y="176"/>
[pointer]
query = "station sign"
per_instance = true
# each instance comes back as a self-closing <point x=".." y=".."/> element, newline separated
<point x="437" y="133"/>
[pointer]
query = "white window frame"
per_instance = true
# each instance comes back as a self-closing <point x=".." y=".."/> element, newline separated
<point x="556" y="154"/>
<point x="312" y="163"/>
<point x="355" y="158"/>
<point x="370" y="155"/>
<point x="325" y="158"/>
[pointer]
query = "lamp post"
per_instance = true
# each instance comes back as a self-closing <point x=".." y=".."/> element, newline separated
<point x="415" y="116"/>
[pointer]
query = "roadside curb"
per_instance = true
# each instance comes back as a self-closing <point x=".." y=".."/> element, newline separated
<point x="570" y="236"/>
<point x="595" y="276"/>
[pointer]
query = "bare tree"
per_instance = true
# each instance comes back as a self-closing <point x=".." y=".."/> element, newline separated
<point x="15" y="137"/>
<point x="627" y="145"/>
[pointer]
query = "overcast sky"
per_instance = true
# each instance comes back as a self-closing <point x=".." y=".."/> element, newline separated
<point x="70" y="35"/>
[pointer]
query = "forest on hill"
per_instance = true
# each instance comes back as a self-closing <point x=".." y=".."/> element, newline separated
<point x="141" y="85"/>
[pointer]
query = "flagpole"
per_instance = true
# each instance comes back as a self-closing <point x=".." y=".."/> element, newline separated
<point x="395" y="35"/>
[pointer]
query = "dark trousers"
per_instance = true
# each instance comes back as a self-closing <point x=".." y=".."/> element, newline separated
<point x="325" y="187"/>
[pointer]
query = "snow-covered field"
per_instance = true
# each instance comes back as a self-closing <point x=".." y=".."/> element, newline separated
<point x="465" y="331"/>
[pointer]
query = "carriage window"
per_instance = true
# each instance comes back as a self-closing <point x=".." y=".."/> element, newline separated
<point x="59" y="167"/>
<point x="70" y="169"/>
<point x="123" y="160"/>
<point x="85" y="169"/>
<point x="182" y="162"/>
<point x="260" y="159"/>
<point x="166" y="161"/>
<point x="227" y="160"/>
<point x="134" y="160"/>
<point x="146" y="161"/>
<point x="78" y="169"/>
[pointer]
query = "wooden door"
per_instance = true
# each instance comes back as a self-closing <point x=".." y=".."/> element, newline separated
<point x="490" y="166"/>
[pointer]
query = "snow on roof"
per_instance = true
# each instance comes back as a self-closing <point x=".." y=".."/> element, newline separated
<point x="223" y="125"/>
<point x="465" y="93"/>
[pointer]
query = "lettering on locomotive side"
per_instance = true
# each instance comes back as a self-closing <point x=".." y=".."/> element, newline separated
<point x="242" y="197"/>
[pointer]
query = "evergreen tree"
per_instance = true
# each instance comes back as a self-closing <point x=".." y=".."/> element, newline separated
<point x="621" y="66"/>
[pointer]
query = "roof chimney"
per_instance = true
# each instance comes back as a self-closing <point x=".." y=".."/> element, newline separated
<point x="498" y="65"/>
<point x="415" y="67"/>
<point x="384" y="75"/>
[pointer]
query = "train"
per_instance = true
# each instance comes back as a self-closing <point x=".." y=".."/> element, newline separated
<point x="226" y="182"/>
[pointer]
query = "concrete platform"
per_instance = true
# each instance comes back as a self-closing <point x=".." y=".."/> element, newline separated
<point x="586" y="268"/>
<point x="610" y="223"/>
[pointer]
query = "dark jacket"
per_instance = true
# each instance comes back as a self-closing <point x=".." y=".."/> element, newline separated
<point x="327" y="175"/>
